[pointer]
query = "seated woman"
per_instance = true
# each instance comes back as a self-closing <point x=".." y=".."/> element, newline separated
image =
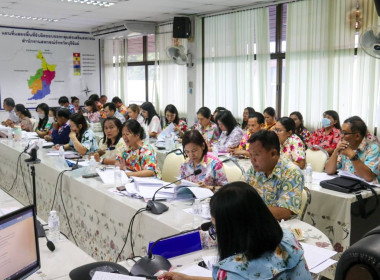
<point x="152" y="121"/>
<point x="247" y="112"/>
<point x="24" y="116"/>
<point x="256" y="247"/>
<point x="93" y="114"/>
<point x="301" y="131"/>
<point x="43" y="125"/>
<point x="256" y="122"/>
<point x="82" y="139"/>
<point x="231" y="131"/>
<point x="206" y="127"/>
<point x="139" y="159"/>
<point x="113" y="144"/>
<point x="270" y="118"/>
<point x="171" y="116"/>
<point x="134" y="113"/>
<point x="329" y="135"/>
<point x="75" y="103"/>
<point x="212" y="175"/>
<point x="216" y="111"/>
<point x="292" y="147"/>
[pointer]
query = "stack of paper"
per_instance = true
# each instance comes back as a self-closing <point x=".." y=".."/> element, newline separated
<point x="317" y="259"/>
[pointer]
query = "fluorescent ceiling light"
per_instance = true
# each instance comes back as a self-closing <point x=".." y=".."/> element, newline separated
<point x="93" y="2"/>
<point x="28" y="17"/>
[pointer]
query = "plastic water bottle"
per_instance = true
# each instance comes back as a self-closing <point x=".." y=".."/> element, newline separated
<point x="117" y="175"/>
<point x="92" y="165"/>
<point x="53" y="223"/>
<point x="309" y="175"/>
<point x="197" y="207"/>
<point x="61" y="153"/>
<point x="10" y="133"/>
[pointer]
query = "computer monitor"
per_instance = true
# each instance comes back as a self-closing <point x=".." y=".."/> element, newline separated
<point x="19" y="251"/>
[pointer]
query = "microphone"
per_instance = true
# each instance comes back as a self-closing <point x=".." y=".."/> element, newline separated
<point x="50" y="244"/>
<point x="149" y="265"/>
<point x="157" y="207"/>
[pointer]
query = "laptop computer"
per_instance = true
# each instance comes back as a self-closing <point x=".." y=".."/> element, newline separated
<point x="19" y="250"/>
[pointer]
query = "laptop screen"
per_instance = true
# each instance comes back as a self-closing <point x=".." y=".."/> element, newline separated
<point x="19" y="251"/>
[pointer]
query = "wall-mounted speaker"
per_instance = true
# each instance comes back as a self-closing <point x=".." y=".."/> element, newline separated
<point x="181" y="27"/>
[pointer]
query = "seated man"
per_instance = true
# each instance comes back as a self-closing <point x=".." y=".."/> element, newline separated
<point x="354" y="153"/>
<point x="111" y="112"/>
<point x="120" y="106"/>
<point x="60" y="129"/>
<point x="9" y="106"/>
<point x="63" y="101"/>
<point x="278" y="181"/>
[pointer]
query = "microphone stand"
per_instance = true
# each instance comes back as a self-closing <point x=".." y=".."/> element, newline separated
<point x="158" y="207"/>
<point x="149" y="265"/>
<point x="33" y="160"/>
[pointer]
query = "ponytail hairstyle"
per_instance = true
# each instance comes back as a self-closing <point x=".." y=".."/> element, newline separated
<point x="135" y="128"/>
<point x="21" y="108"/>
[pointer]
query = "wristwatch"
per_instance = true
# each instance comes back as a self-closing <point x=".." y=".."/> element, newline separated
<point x="355" y="157"/>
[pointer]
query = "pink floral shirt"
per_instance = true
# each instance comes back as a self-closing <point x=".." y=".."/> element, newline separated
<point x="293" y="148"/>
<point x="212" y="171"/>
<point x="324" y="141"/>
<point x="244" y="145"/>
<point x="210" y="133"/>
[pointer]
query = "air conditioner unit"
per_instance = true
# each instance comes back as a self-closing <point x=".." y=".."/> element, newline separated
<point x="124" y="29"/>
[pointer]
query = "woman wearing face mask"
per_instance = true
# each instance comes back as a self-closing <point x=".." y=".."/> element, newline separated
<point x="82" y="139"/>
<point x="292" y="146"/>
<point x="171" y="116"/>
<point x="206" y="126"/>
<point x="24" y="116"/>
<point x="113" y="144"/>
<point x="329" y="135"/>
<point x="43" y="126"/>
<point x="138" y="159"/>
<point x="212" y="176"/>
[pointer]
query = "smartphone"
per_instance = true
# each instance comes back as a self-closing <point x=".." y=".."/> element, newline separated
<point x="91" y="175"/>
<point x="121" y="188"/>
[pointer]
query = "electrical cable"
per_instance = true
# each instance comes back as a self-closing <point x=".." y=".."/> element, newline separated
<point x="14" y="180"/>
<point x="56" y="187"/>
<point x="129" y="228"/>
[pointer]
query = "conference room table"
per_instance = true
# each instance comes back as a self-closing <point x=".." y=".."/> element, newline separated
<point x="56" y="264"/>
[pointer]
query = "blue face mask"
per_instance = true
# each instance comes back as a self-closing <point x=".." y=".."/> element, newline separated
<point x="326" y="122"/>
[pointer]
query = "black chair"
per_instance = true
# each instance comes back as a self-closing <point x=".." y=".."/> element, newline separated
<point x="362" y="260"/>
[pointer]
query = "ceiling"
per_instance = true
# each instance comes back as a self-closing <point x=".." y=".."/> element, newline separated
<point x="84" y="17"/>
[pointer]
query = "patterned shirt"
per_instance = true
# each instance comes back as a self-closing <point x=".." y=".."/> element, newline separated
<point x="244" y="145"/>
<point x="232" y="140"/>
<point x="369" y="154"/>
<point x="93" y="117"/>
<point x="88" y="141"/>
<point x="270" y="127"/>
<point x="155" y="125"/>
<point x="210" y="133"/>
<point x="119" y="116"/>
<point x="286" y="262"/>
<point x="212" y="171"/>
<point x="122" y="110"/>
<point x="71" y="108"/>
<point x="114" y="151"/>
<point x="371" y="137"/>
<point x="293" y="148"/>
<point x="282" y="188"/>
<point x="26" y="124"/>
<point x="304" y="134"/>
<point x="324" y="141"/>
<point x="143" y="158"/>
<point x="182" y="125"/>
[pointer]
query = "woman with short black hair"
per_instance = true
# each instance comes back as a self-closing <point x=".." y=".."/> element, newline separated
<point x="195" y="147"/>
<point x="171" y="116"/>
<point x="249" y="111"/>
<point x="152" y="121"/>
<point x="206" y="126"/>
<point x="270" y="118"/>
<point x="251" y="243"/>
<point x="231" y="131"/>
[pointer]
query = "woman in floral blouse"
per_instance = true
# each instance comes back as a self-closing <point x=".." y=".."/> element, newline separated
<point x="171" y="116"/>
<point x="206" y="127"/>
<point x="329" y="135"/>
<point x="113" y="144"/>
<point x="300" y="130"/>
<point x="231" y="131"/>
<point x="212" y="176"/>
<point x="93" y="114"/>
<point x="256" y="248"/>
<point x="139" y="159"/>
<point x="82" y="139"/>
<point x="24" y="116"/>
<point x="292" y="146"/>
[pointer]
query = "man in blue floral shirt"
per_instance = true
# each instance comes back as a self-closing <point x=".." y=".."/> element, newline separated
<point x="278" y="181"/>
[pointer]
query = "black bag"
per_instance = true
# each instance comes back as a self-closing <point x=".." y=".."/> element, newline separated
<point x="350" y="185"/>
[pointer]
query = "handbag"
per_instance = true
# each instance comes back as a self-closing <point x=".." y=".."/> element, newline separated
<point x="350" y="185"/>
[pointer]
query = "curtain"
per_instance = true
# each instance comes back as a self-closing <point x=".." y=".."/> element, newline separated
<point x="115" y="69"/>
<point x="171" y="79"/>
<point x="236" y="61"/>
<point x="322" y="70"/>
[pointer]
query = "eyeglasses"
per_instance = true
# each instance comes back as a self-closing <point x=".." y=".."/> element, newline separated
<point x="276" y="130"/>
<point x="348" y="133"/>
<point x="212" y="232"/>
